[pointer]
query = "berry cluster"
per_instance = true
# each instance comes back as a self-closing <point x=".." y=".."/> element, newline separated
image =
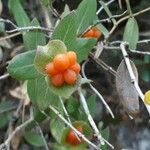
<point x="63" y="69"/>
<point x="72" y="138"/>
<point x="93" y="33"/>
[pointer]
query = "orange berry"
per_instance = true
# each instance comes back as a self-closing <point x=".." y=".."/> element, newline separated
<point x="97" y="33"/>
<point x="70" y="76"/>
<point x="88" y="34"/>
<point x="76" y="68"/>
<point x="50" y="69"/>
<point x="61" y="62"/>
<point x="57" y="80"/>
<point x="72" y="137"/>
<point x="72" y="57"/>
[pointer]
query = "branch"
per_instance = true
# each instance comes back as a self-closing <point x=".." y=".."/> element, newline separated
<point x="132" y="76"/>
<point x="67" y="115"/>
<point x="114" y="16"/>
<point x="6" y="143"/>
<point x="72" y="127"/>
<point x="124" y="18"/>
<point x="18" y="29"/>
<point x="97" y="93"/>
<point x="41" y="133"/>
<point x="4" y="76"/>
<point x="99" y="136"/>
<point x="101" y="8"/>
<point x="10" y="36"/>
<point x="103" y="64"/>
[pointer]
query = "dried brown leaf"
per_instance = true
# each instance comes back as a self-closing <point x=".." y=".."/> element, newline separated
<point x="125" y="88"/>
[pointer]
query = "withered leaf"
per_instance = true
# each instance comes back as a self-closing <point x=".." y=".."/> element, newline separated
<point x="125" y="88"/>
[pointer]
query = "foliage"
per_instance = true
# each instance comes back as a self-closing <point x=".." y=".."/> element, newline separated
<point x="43" y="37"/>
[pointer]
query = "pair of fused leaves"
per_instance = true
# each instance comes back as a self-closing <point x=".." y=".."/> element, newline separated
<point x="44" y="55"/>
<point x="23" y="66"/>
<point x="125" y="88"/>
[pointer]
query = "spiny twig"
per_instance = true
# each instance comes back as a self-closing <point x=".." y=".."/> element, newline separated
<point x="132" y="76"/>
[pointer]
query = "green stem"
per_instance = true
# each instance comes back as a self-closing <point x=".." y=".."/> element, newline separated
<point x="129" y="7"/>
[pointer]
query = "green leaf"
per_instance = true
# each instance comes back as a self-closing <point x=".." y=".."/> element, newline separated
<point x="21" y="66"/>
<point x="91" y="102"/>
<point x="62" y="147"/>
<point x="66" y="30"/>
<point x="47" y="2"/>
<point x="145" y="74"/>
<point x="72" y="105"/>
<point x="57" y="127"/>
<point x="34" y="139"/>
<point x="105" y="134"/>
<point x="4" y="118"/>
<point x="66" y="90"/>
<point x="18" y="12"/>
<point x="45" y="54"/>
<point x="102" y="28"/>
<point x="131" y="33"/>
<point x="40" y="94"/>
<point x="7" y="106"/>
<point x="66" y="11"/>
<point x="2" y="27"/>
<point x="83" y="47"/>
<point x="33" y="38"/>
<point x="86" y="13"/>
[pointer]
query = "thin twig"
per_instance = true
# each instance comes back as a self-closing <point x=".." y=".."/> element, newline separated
<point x="67" y="115"/>
<point x="18" y="29"/>
<point x="6" y="143"/>
<point x="139" y="52"/>
<point x="132" y="51"/>
<point x="114" y="16"/>
<point x="10" y="36"/>
<point x="42" y="136"/>
<point x="132" y="76"/>
<point x="4" y="76"/>
<point x="103" y="64"/>
<point x="139" y="42"/>
<point x="123" y="19"/>
<point x="95" y="90"/>
<point x="99" y="136"/>
<point x="101" y="8"/>
<point x="8" y="21"/>
<point x="64" y="109"/>
<point x="72" y="127"/>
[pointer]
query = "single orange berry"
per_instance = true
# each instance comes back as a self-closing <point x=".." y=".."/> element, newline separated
<point x="70" y="76"/>
<point x="61" y="62"/>
<point x="57" y="80"/>
<point x="76" y="67"/>
<point x="72" y="139"/>
<point x="72" y="57"/>
<point x="88" y="34"/>
<point x="50" y="69"/>
<point x="96" y="33"/>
